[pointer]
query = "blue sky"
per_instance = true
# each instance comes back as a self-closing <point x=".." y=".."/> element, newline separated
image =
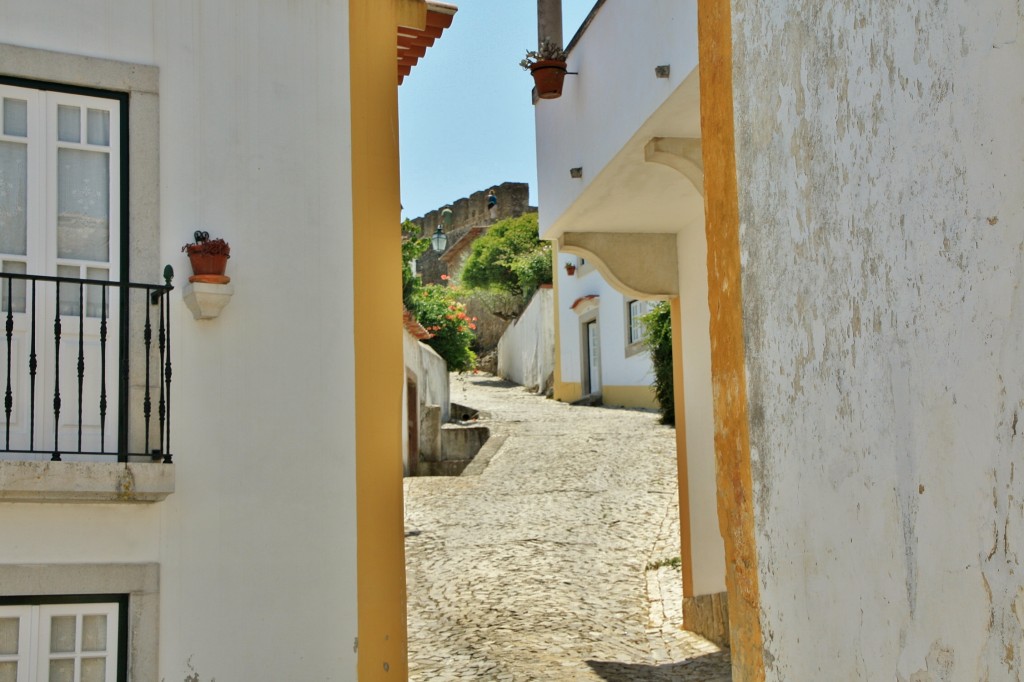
<point x="465" y="112"/>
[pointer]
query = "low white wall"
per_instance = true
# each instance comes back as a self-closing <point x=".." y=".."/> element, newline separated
<point x="526" y="351"/>
<point x="430" y="371"/>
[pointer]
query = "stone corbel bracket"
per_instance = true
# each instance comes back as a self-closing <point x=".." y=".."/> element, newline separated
<point x="644" y="266"/>
<point x="206" y="300"/>
<point x="682" y="154"/>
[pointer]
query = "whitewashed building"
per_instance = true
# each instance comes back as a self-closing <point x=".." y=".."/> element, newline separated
<point x="600" y="342"/>
<point x="836" y="214"/>
<point x="620" y="188"/>
<point x="215" y="498"/>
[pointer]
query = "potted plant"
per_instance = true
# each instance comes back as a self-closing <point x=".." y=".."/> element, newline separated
<point x="570" y="269"/>
<point x="209" y="258"/>
<point x="548" y="66"/>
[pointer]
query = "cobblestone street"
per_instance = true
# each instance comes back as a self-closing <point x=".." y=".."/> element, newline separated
<point x="535" y="566"/>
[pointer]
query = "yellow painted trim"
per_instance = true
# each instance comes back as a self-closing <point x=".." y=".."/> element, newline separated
<point x="565" y="391"/>
<point x="629" y="396"/>
<point x="728" y="374"/>
<point x="679" y="400"/>
<point x="568" y="391"/>
<point x="379" y="371"/>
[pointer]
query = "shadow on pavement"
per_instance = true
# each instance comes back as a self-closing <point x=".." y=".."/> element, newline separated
<point x="708" y="668"/>
<point x="496" y="382"/>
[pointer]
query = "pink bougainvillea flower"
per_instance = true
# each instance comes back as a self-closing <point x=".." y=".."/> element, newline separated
<point x="444" y="277"/>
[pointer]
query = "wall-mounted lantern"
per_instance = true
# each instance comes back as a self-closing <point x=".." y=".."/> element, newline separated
<point x="439" y="242"/>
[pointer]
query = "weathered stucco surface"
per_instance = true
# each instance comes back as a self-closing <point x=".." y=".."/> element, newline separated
<point x="880" y="166"/>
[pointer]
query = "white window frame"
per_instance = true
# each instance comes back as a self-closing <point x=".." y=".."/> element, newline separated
<point x="139" y="85"/>
<point x="34" y="640"/>
<point x="43" y="147"/>
<point x="634" y="310"/>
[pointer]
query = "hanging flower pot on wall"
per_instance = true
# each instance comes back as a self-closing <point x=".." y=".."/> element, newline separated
<point x="209" y="259"/>
<point x="548" y="66"/>
<point x="548" y="75"/>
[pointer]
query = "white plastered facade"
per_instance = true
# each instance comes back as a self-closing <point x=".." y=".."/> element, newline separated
<point x="253" y="146"/>
<point x="636" y="212"/>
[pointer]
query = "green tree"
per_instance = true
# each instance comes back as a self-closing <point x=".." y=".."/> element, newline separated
<point x="413" y="246"/>
<point x="436" y="307"/>
<point x="510" y="260"/>
<point x="658" y="337"/>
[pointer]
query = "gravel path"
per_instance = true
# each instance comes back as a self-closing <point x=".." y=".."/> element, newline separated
<point x="536" y="569"/>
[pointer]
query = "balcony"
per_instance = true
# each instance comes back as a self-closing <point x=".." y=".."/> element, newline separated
<point x="86" y="379"/>
<point x="637" y="84"/>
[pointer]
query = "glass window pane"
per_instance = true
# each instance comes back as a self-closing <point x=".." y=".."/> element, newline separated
<point x="83" y="205"/>
<point x="69" y="123"/>
<point x="13" y="197"/>
<point x="94" y="299"/>
<point x="62" y="670"/>
<point x="94" y="633"/>
<point x="9" y="671"/>
<point x="15" y="117"/>
<point x="69" y="293"/>
<point x="98" y="127"/>
<point x="62" y="634"/>
<point x="9" y="629"/>
<point x="94" y="669"/>
<point x="16" y="288"/>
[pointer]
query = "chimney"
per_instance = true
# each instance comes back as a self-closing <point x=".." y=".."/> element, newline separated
<point x="549" y="21"/>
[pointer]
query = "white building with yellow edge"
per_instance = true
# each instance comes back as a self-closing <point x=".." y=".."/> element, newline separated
<point x="836" y="215"/>
<point x="271" y="546"/>
<point x="601" y="350"/>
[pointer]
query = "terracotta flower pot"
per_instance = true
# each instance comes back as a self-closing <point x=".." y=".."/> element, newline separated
<point x="208" y="267"/>
<point x="570" y="270"/>
<point x="548" y="75"/>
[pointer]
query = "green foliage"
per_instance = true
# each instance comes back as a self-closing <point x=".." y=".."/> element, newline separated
<point x="510" y="260"/>
<point x="658" y="337"/>
<point x="413" y="246"/>
<point x="499" y="303"/>
<point x="436" y="307"/>
<point x="439" y="311"/>
<point x="533" y="269"/>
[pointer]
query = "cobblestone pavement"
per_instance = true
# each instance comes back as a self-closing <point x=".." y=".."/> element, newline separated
<point x="536" y="569"/>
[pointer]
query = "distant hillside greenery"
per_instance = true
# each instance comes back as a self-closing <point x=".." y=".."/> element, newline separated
<point x="507" y="265"/>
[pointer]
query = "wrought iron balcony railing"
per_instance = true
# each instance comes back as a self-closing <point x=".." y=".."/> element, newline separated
<point x="86" y="361"/>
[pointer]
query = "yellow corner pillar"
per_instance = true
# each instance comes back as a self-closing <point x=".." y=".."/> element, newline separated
<point x="565" y="392"/>
<point x="728" y="376"/>
<point x="679" y="407"/>
<point x="376" y="242"/>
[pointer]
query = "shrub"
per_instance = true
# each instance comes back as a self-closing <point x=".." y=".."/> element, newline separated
<point x="413" y="246"/>
<point x="658" y="337"/>
<point x="437" y="309"/>
<point x="509" y="260"/>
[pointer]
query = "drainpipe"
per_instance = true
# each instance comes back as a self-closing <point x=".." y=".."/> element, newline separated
<point x="549" y="21"/>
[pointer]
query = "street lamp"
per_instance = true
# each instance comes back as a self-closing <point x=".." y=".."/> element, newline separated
<point x="439" y="242"/>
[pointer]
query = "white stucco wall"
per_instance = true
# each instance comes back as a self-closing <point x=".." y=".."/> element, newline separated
<point x="584" y="128"/>
<point x="880" y="168"/>
<point x="253" y="148"/>
<point x="617" y="369"/>
<point x="526" y="351"/>
<point x="430" y="372"/>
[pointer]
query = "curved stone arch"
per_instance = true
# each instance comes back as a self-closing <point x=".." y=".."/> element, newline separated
<point x="682" y="154"/>
<point x="642" y="266"/>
